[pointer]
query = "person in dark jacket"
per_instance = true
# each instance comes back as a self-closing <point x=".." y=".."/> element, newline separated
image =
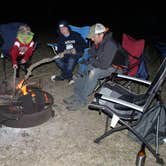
<point x="102" y="54"/>
<point x="73" y="44"/>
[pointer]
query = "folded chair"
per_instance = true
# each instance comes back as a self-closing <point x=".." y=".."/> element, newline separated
<point x="127" y="109"/>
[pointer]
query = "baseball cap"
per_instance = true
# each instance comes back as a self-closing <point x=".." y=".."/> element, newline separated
<point x="96" y="29"/>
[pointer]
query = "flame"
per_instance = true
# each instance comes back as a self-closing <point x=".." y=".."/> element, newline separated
<point x="33" y="94"/>
<point x="46" y="97"/>
<point x="22" y="87"/>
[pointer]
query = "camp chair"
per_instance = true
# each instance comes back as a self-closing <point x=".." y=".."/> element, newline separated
<point x="8" y="32"/>
<point x="127" y="109"/>
<point x="131" y="61"/>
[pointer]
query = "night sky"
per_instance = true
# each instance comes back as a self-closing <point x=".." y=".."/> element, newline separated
<point x="141" y="20"/>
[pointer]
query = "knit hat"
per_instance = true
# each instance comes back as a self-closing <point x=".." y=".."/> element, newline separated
<point x="63" y="24"/>
<point x="96" y="29"/>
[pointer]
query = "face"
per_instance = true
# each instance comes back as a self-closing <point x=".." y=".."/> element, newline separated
<point x="64" y="31"/>
<point x="98" y="38"/>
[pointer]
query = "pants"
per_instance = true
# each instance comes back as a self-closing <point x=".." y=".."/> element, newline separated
<point x="22" y="66"/>
<point x="67" y="64"/>
<point x="85" y="85"/>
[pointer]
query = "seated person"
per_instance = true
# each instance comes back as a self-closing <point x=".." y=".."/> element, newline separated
<point x="68" y="40"/>
<point x="22" y="49"/>
<point x="102" y="53"/>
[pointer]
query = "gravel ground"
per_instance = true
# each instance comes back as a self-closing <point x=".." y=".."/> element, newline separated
<point x="67" y="139"/>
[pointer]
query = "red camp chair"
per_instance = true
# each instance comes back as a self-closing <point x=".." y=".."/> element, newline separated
<point x="135" y="49"/>
<point x="132" y="50"/>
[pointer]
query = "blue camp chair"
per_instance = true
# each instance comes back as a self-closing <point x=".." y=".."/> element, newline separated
<point x="84" y="32"/>
<point x="8" y="32"/>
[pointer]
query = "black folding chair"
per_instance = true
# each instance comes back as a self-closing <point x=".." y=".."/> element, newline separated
<point x="126" y="108"/>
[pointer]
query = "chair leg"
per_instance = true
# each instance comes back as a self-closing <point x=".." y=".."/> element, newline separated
<point x="4" y="73"/>
<point x="148" y="146"/>
<point x="109" y="132"/>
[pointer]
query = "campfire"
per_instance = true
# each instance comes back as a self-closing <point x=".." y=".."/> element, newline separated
<point x="25" y="106"/>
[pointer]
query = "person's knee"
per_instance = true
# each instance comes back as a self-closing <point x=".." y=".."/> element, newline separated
<point x="92" y="74"/>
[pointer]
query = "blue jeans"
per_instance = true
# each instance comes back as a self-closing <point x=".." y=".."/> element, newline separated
<point x="85" y="85"/>
<point x="67" y="64"/>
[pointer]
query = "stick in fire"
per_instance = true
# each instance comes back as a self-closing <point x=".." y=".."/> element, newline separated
<point x="47" y="60"/>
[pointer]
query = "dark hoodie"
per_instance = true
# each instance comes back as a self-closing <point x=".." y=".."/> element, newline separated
<point x="103" y="55"/>
<point x="74" y="40"/>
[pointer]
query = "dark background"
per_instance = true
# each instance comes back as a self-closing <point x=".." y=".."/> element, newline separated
<point x="140" y="20"/>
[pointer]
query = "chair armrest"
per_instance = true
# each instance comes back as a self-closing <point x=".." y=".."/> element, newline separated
<point x="122" y="102"/>
<point x="53" y="46"/>
<point x="133" y="79"/>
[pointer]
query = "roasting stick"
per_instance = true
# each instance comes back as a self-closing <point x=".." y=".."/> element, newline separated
<point x="14" y="81"/>
<point x="45" y="60"/>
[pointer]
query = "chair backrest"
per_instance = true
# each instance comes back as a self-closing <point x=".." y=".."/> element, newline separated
<point x="154" y="87"/>
<point x="81" y="30"/>
<point x="135" y="49"/>
<point x="8" y="32"/>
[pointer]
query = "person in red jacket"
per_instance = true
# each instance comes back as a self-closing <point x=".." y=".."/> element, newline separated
<point x="22" y="49"/>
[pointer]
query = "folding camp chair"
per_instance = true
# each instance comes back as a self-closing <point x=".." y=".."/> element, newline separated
<point x="8" y="32"/>
<point x="126" y="108"/>
<point x="130" y="59"/>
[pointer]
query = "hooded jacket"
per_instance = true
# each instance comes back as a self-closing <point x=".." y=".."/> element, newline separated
<point x="74" y="40"/>
<point x="103" y="54"/>
<point x="22" y="50"/>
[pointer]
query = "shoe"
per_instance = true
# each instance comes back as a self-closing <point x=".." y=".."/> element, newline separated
<point x="75" y="106"/>
<point x="57" y="78"/>
<point x="71" y="82"/>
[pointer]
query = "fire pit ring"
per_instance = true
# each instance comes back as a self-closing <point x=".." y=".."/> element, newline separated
<point x="28" y="113"/>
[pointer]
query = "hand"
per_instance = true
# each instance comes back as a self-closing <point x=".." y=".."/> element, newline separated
<point x="15" y="66"/>
<point x="61" y="55"/>
<point x="73" y="51"/>
<point x="23" y="61"/>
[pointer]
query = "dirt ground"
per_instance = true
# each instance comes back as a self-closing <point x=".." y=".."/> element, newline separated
<point x="67" y="139"/>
